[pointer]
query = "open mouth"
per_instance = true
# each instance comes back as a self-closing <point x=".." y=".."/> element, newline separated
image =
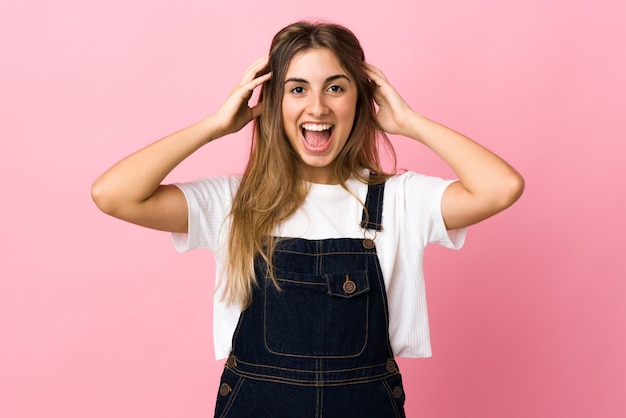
<point x="316" y="135"/>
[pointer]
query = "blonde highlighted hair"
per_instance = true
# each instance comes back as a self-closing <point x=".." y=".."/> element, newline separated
<point x="272" y="187"/>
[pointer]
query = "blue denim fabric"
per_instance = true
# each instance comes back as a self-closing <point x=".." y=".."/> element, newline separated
<point x="317" y="346"/>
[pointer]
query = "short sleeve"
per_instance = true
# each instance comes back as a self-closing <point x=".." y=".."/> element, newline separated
<point x="422" y="206"/>
<point x="208" y="205"/>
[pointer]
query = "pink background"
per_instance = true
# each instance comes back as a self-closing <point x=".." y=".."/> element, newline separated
<point x="99" y="318"/>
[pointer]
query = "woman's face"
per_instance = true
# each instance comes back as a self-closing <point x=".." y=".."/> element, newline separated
<point x="319" y="107"/>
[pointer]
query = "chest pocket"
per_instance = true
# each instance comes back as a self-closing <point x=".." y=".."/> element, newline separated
<point x="322" y="316"/>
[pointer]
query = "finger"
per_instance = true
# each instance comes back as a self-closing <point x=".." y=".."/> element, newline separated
<point x="256" y="109"/>
<point x="254" y="68"/>
<point x="371" y="67"/>
<point x="245" y="89"/>
<point x="375" y="74"/>
<point x="256" y="82"/>
<point x="260" y="62"/>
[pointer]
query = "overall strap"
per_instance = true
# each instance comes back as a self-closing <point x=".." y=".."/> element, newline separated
<point x="373" y="211"/>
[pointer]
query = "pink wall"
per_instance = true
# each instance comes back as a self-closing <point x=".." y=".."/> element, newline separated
<point x="103" y="319"/>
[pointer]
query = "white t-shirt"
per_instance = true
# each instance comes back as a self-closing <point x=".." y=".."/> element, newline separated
<point x="411" y="220"/>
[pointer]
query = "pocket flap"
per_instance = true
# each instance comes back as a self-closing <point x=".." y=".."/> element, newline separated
<point x="348" y="285"/>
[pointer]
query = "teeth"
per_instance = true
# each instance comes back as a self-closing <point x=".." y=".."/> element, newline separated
<point x="316" y="127"/>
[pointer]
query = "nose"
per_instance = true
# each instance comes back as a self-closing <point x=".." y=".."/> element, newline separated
<point x="317" y="105"/>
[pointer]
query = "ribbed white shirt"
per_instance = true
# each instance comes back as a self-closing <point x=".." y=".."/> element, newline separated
<point x="411" y="220"/>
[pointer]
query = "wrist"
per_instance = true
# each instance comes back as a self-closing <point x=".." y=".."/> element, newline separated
<point x="211" y="129"/>
<point x="415" y="125"/>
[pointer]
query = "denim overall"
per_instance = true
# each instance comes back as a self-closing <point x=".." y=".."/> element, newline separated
<point x="318" y="346"/>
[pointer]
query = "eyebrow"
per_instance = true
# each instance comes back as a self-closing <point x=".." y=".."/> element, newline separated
<point x="328" y="80"/>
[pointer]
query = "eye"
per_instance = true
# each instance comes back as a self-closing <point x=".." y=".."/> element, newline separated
<point x="335" y="88"/>
<point x="297" y="90"/>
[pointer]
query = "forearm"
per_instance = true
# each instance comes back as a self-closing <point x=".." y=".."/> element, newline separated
<point x="488" y="183"/>
<point x="476" y="167"/>
<point x="135" y="178"/>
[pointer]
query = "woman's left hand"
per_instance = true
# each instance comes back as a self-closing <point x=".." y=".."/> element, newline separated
<point x="487" y="184"/>
<point x="393" y="113"/>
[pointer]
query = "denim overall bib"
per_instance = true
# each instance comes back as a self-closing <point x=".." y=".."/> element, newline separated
<point x="319" y="345"/>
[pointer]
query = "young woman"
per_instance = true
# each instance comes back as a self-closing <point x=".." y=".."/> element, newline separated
<point x="319" y="250"/>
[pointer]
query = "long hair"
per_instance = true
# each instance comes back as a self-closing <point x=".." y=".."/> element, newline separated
<point x="272" y="187"/>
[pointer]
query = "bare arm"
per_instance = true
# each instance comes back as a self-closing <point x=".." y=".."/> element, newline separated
<point x="131" y="190"/>
<point x="487" y="184"/>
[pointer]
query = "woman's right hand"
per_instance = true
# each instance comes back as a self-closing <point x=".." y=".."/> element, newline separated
<point x="131" y="190"/>
<point x="235" y="112"/>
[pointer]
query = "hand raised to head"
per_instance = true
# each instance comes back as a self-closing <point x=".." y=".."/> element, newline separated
<point x="236" y="112"/>
<point x="393" y="111"/>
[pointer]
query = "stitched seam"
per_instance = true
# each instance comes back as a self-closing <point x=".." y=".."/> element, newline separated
<point x="288" y="369"/>
<point x="233" y="396"/>
<point x="383" y="297"/>
<point x="392" y="400"/>
<point x="312" y="383"/>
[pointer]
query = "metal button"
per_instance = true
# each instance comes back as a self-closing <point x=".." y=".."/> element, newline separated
<point x="225" y="389"/>
<point x="397" y="392"/>
<point x="231" y="362"/>
<point x="349" y="286"/>
<point x="368" y="243"/>
<point x="391" y="366"/>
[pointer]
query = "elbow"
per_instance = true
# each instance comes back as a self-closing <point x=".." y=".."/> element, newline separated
<point x="102" y="197"/>
<point x="512" y="190"/>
